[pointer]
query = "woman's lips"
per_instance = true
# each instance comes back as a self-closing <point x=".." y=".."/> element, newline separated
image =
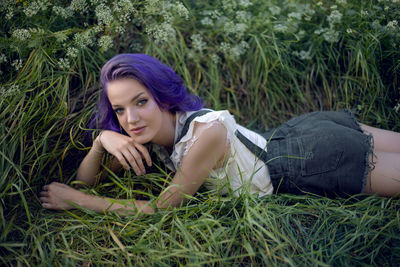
<point x="138" y="130"/>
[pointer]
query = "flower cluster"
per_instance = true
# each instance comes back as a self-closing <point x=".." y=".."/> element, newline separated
<point x="17" y="64"/>
<point x="64" y="63"/>
<point x="35" y="6"/>
<point x="84" y="39"/>
<point x="103" y="14"/>
<point x="10" y="91"/>
<point x="105" y="43"/>
<point x="164" y="32"/>
<point x="21" y="34"/>
<point x="3" y="58"/>
<point x="198" y="42"/>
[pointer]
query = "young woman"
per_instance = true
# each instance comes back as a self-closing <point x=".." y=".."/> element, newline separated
<point x="144" y="101"/>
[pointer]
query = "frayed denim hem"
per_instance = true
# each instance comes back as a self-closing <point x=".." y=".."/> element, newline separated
<point x="369" y="155"/>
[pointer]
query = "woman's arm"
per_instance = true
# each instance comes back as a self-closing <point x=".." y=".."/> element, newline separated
<point x="89" y="169"/>
<point x="127" y="154"/>
<point x="206" y="153"/>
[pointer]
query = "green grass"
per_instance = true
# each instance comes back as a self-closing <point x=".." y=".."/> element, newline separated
<point x="45" y="109"/>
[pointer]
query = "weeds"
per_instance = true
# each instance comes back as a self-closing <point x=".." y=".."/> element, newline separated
<point x="264" y="61"/>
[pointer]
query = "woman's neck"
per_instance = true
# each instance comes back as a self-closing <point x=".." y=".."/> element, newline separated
<point x="167" y="133"/>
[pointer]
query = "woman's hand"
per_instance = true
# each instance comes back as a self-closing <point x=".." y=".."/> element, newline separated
<point x="58" y="196"/>
<point x="125" y="149"/>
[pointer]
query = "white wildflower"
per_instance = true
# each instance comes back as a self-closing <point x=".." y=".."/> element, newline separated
<point x="364" y="13"/>
<point x="96" y="2"/>
<point x="32" y="9"/>
<point x="10" y="91"/>
<point x="319" y="31"/>
<point x="386" y="8"/>
<point x="307" y="10"/>
<point x="229" y="27"/>
<point x="307" y="18"/>
<point x="72" y="52"/>
<point x="214" y="14"/>
<point x="392" y="24"/>
<point x="334" y="7"/>
<point x="280" y="28"/>
<point x="221" y="21"/>
<point x="397" y="107"/>
<point x="331" y="36"/>
<point x="349" y="31"/>
<point x="35" y="6"/>
<point x="303" y="55"/>
<point x="295" y="15"/>
<point x="191" y="55"/>
<point x="197" y="42"/>
<point x="215" y="58"/>
<point x="17" y="64"/>
<point x="3" y="58"/>
<point x="97" y="29"/>
<point x="21" y="34"/>
<point x="125" y="10"/>
<point x="60" y="36"/>
<point x="120" y="29"/>
<point x="83" y="39"/>
<point x="301" y="34"/>
<point x="275" y="10"/>
<point x="239" y="49"/>
<point x="181" y="10"/>
<point x="78" y="5"/>
<point x="240" y="29"/>
<point x="334" y="17"/>
<point x="320" y="3"/>
<point x="225" y="47"/>
<point x="105" y="42"/>
<point x="229" y="5"/>
<point x="245" y="3"/>
<point x="243" y="16"/>
<point x="63" y="12"/>
<point x="103" y="14"/>
<point x="162" y="32"/>
<point x="207" y="21"/>
<point x="9" y="14"/>
<point x="64" y="63"/>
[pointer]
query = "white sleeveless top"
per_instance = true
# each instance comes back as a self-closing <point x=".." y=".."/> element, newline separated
<point x="242" y="171"/>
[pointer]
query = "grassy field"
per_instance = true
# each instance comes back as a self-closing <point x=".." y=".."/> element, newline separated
<point x="264" y="61"/>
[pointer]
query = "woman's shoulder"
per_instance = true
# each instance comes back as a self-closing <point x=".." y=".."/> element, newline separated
<point x="205" y="117"/>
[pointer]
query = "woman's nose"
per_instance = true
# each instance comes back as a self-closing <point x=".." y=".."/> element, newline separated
<point x="133" y="116"/>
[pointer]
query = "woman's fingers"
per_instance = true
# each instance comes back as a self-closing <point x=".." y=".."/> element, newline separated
<point x="144" y="152"/>
<point x="44" y="194"/>
<point x="136" y="159"/>
<point x="120" y="157"/>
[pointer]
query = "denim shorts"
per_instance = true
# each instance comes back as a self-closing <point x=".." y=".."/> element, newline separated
<point x="324" y="153"/>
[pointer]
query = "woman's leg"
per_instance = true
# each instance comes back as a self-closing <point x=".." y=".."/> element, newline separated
<point x="384" y="179"/>
<point x="384" y="140"/>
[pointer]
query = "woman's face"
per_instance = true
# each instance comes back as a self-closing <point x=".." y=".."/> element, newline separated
<point x="137" y="111"/>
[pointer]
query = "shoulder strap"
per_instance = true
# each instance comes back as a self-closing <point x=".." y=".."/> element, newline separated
<point x="185" y="128"/>
<point x="256" y="150"/>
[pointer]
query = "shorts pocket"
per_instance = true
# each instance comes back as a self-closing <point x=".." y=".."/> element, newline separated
<point x="319" y="154"/>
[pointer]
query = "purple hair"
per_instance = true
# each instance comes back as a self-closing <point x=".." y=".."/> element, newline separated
<point x="163" y="83"/>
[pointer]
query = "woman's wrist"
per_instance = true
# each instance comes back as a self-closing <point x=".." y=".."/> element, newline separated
<point x="98" y="145"/>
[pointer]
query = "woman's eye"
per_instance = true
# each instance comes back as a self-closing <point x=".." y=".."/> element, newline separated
<point x="118" y="110"/>
<point x="142" y="102"/>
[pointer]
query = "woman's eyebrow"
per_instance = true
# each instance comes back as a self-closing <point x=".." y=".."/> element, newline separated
<point x="133" y="99"/>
